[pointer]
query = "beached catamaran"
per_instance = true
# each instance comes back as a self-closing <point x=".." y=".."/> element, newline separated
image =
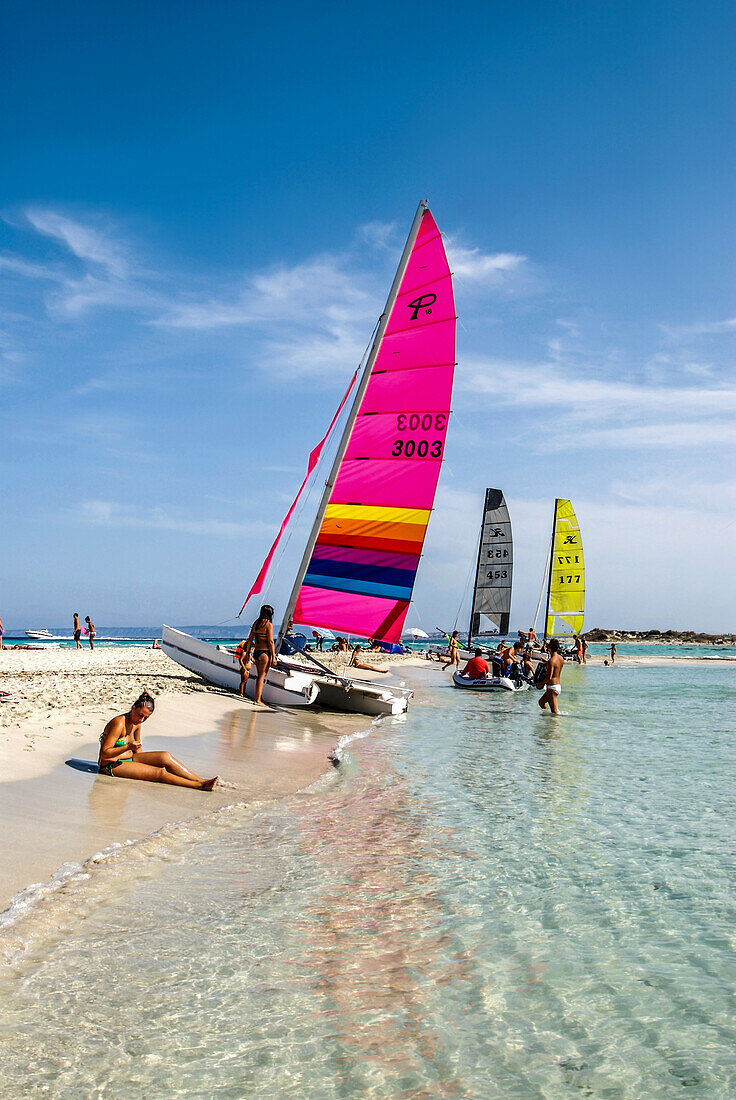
<point x="359" y="565"/>
<point x="564" y="576"/>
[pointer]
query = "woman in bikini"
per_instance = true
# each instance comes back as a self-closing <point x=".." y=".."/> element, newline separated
<point x="91" y="631"/>
<point x="454" y="656"/>
<point x="121" y="756"/>
<point x="260" y="642"/>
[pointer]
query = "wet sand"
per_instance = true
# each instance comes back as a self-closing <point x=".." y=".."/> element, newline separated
<point x="52" y="815"/>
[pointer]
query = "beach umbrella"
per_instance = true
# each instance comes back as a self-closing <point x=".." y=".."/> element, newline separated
<point x="415" y="632"/>
<point x="324" y="632"/>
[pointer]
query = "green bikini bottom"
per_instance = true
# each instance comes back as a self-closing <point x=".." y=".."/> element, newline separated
<point x="107" y="769"/>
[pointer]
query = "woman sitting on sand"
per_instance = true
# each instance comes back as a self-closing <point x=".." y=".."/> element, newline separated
<point x="355" y="662"/>
<point x="121" y="756"/>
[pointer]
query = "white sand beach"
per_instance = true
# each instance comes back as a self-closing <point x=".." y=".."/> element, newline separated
<point x="52" y="814"/>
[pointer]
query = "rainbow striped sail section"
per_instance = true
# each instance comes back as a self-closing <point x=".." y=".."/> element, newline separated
<point x="362" y="570"/>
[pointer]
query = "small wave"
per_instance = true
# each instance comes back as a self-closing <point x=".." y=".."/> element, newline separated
<point x="337" y="754"/>
<point x="47" y="907"/>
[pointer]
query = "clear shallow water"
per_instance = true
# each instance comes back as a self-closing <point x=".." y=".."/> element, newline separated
<point x="483" y="901"/>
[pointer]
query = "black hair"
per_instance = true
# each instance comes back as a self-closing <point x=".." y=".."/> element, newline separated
<point x="145" y="700"/>
<point x="266" y="612"/>
<point x="554" y="645"/>
<point x="478" y="653"/>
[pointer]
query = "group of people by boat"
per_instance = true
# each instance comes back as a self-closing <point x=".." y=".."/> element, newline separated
<point x="512" y="666"/>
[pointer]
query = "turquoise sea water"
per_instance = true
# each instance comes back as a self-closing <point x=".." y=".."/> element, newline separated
<point x="223" y="635"/>
<point x="481" y="901"/>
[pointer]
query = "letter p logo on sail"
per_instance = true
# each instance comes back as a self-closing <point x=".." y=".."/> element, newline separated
<point x="422" y="302"/>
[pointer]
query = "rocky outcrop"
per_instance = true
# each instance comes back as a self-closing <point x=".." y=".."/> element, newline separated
<point x="671" y="637"/>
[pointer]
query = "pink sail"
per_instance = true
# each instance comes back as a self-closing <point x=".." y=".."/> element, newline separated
<point x="361" y="574"/>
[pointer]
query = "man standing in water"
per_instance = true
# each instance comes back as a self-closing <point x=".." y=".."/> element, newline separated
<point x="552" y="687"/>
<point x="613" y="653"/>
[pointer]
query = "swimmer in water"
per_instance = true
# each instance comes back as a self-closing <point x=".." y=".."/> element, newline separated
<point x="551" y="685"/>
<point x="121" y="755"/>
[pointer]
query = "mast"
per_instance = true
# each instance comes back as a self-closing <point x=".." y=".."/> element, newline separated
<point x="352" y="416"/>
<point x="551" y="562"/>
<point x="477" y="571"/>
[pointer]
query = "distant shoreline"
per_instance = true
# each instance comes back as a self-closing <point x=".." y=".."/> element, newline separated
<point x="658" y="637"/>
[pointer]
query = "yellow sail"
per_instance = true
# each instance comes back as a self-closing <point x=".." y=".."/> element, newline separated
<point x="566" y="603"/>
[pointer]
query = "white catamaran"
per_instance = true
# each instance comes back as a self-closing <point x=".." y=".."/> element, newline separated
<point x="359" y="565"/>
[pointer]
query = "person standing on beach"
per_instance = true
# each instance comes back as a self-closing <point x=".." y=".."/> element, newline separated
<point x="2" y="631"/>
<point x="77" y="630"/>
<point x="245" y="665"/>
<point x="260" y="643"/>
<point x="121" y="757"/>
<point x="90" y="631"/>
<point x="584" y="650"/>
<point x="454" y="656"/>
<point x="613" y="653"/>
<point x="551" y="685"/>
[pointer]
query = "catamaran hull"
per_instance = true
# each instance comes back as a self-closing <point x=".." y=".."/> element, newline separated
<point x="289" y="684"/>
<point x="490" y="683"/>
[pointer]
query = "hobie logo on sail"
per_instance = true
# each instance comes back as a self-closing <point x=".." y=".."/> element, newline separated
<point x="570" y="539"/>
<point x="422" y="302"/>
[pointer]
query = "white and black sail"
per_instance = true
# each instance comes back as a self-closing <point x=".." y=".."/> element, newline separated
<point x="492" y="592"/>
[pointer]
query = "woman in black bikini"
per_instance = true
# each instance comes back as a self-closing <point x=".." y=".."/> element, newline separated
<point x="121" y="756"/>
<point x="260" y="641"/>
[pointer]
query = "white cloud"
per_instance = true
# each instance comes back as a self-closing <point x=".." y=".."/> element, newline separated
<point x="701" y="328"/>
<point x="26" y="269"/>
<point x="672" y="436"/>
<point x="84" y="241"/>
<point x="475" y="266"/>
<point x="380" y="235"/>
<point x="105" y="513"/>
<point x="549" y="385"/>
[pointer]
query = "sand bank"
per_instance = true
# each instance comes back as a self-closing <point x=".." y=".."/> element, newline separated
<point x="51" y="814"/>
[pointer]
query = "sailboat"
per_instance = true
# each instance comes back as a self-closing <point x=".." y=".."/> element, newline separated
<point x="491" y="600"/>
<point x="493" y="573"/>
<point x="564" y="576"/>
<point x="492" y="589"/>
<point x="360" y="561"/>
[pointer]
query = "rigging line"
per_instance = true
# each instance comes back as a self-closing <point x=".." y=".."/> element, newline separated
<point x="293" y="523"/>
<point x="544" y="581"/>
<point x="468" y="579"/>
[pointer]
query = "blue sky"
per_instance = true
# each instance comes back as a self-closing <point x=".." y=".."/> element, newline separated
<point x="202" y="207"/>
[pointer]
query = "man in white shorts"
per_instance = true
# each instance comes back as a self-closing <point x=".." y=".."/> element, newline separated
<point x="552" y="686"/>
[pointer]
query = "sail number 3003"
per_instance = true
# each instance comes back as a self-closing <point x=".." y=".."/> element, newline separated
<point x="422" y="448"/>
